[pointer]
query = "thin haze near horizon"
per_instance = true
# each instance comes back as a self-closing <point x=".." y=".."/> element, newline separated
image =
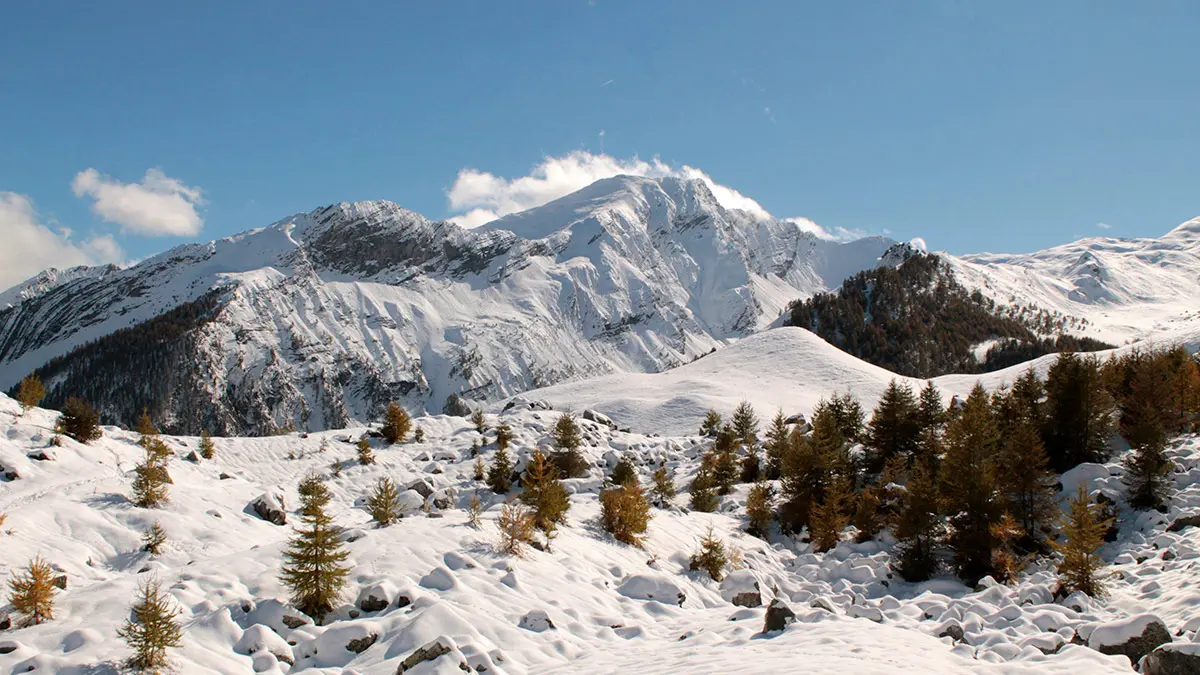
<point x="977" y="126"/>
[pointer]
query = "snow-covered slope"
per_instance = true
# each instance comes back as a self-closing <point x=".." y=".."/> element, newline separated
<point x="221" y="563"/>
<point x="326" y="316"/>
<point x="1127" y="289"/>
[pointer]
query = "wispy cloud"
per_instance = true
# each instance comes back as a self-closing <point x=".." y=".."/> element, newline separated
<point x="479" y="197"/>
<point x="607" y="83"/>
<point x="770" y="115"/>
<point x="157" y="205"/>
<point x="1104" y="226"/>
<point x="31" y="246"/>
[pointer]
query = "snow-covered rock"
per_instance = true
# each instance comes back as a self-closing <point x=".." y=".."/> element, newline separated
<point x="652" y="587"/>
<point x="1134" y="636"/>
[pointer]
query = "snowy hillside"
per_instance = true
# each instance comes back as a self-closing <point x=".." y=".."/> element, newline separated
<point x="607" y="607"/>
<point x="320" y="319"/>
<point x="1128" y="289"/>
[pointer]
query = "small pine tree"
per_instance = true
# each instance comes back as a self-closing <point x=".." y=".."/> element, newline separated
<point x="751" y="468"/>
<point x="516" y="529"/>
<point x="829" y="517"/>
<point x="745" y="424"/>
<point x="313" y="561"/>
<point x="145" y="427"/>
<point x="725" y="463"/>
<point x="704" y="492"/>
<point x="396" y="423"/>
<point x="79" y="421"/>
<point x="1147" y="468"/>
<point x="30" y="392"/>
<point x="418" y="435"/>
<point x="384" y="502"/>
<point x="918" y="527"/>
<point x="499" y="476"/>
<point x="711" y="557"/>
<point x="152" y="629"/>
<point x="504" y="436"/>
<point x="363" y="448"/>
<point x="662" y="487"/>
<point x="1005" y="561"/>
<point x="776" y="446"/>
<point x="867" y="518"/>
<point x="625" y="513"/>
<point x="207" y="449"/>
<point x="154" y="539"/>
<point x="894" y="426"/>
<point x="1083" y="527"/>
<point x="623" y="473"/>
<point x="931" y="413"/>
<point x="711" y="425"/>
<point x="566" y="433"/>
<point x="544" y="493"/>
<point x="479" y="420"/>
<point x="33" y="590"/>
<point x="760" y="508"/>
<point x="480" y="470"/>
<point x="150" y="477"/>
<point x="474" y="511"/>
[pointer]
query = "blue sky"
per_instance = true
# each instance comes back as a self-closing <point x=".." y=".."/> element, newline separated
<point x="978" y="126"/>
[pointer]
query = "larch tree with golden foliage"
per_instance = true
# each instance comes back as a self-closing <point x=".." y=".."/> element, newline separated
<point x="396" y="423"/>
<point x="152" y="628"/>
<point x="625" y="513"/>
<point x="32" y="591"/>
<point x="30" y="392"/>
<point x="314" y="560"/>
<point x="1083" y="527"/>
<point x="384" y="502"/>
<point x="544" y="493"/>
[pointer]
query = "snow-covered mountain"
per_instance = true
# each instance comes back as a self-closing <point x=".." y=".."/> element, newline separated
<point x="321" y="318"/>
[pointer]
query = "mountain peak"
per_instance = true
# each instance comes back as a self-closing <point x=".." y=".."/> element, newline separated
<point x="1188" y="230"/>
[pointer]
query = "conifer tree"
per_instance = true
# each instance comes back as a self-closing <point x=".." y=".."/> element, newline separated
<point x="1006" y="563"/>
<point x="207" y="448"/>
<point x="152" y="628"/>
<point x="154" y="538"/>
<point x="760" y="508"/>
<point x="711" y="557"/>
<point x="867" y="518"/>
<point x="918" y="527"/>
<point x="848" y="414"/>
<point x="894" y="426"/>
<point x="1027" y="397"/>
<point x="751" y="468"/>
<point x="79" y="421"/>
<point x="312" y="490"/>
<point x="32" y="591"/>
<point x="314" y="560"/>
<point x="662" y="487"/>
<point x="776" y="446"/>
<point x="480" y="472"/>
<point x="479" y="420"/>
<point x="544" y="493"/>
<point x="829" y="517"/>
<point x="499" y="476"/>
<point x="625" y="513"/>
<point x="711" y="425"/>
<point x="384" y="502"/>
<point x="803" y="482"/>
<point x="516" y="524"/>
<point x="474" y="511"/>
<point x="1079" y="413"/>
<point x="725" y="467"/>
<point x="1083" y="527"/>
<point x="745" y="424"/>
<point x="931" y="414"/>
<point x="418" y="435"/>
<point x="623" y="472"/>
<point x="567" y="458"/>
<point x="504" y="436"/>
<point x="150" y="476"/>
<point x="145" y="427"/>
<point x="1147" y="468"/>
<point x="396" y="423"/>
<point x="969" y="485"/>
<point x="363" y="448"/>
<point x="30" y="392"/>
<point x="703" y="494"/>
<point x="1023" y="478"/>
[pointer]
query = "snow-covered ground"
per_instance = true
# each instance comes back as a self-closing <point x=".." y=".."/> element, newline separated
<point x="222" y="561"/>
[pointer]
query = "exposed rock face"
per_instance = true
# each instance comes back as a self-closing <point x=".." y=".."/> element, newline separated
<point x="362" y="644"/>
<point x="269" y="507"/>
<point x="239" y="333"/>
<point x="1185" y="522"/>
<point x="431" y="651"/>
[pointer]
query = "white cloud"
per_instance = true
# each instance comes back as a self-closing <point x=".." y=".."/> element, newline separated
<point x="829" y="233"/>
<point x="478" y="197"/>
<point x="1104" y="226"/>
<point x="158" y="205"/>
<point x="30" y="247"/>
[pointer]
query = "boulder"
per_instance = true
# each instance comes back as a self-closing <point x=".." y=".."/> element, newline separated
<point x="1173" y="659"/>
<point x="951" y="629"/>
<point x="778" y="616"/>
<point x="823" y="603"/>
<point x="742" y="589"/>
<point x="362" y="644"/>
<point x="1134" y="637"/>
<point x="1182" y="522"/>
<point x="259" y="638"/>
<point x="43" y="455"/>
<point x="60" y="582"/>
<point x="658" y="587"/>
<point x="442" y="500"/>
<point x="599" y="418"/>
<point x="456" y="406"/>
<point x="193" y="457"/>
<point x="376" y="597"/>
<point x="421" y="487"/>
<point x="5" y="621"/>
<point x="537" y="621"/>
<point x="431" y="651"/>
<point x="269" y="507"/>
